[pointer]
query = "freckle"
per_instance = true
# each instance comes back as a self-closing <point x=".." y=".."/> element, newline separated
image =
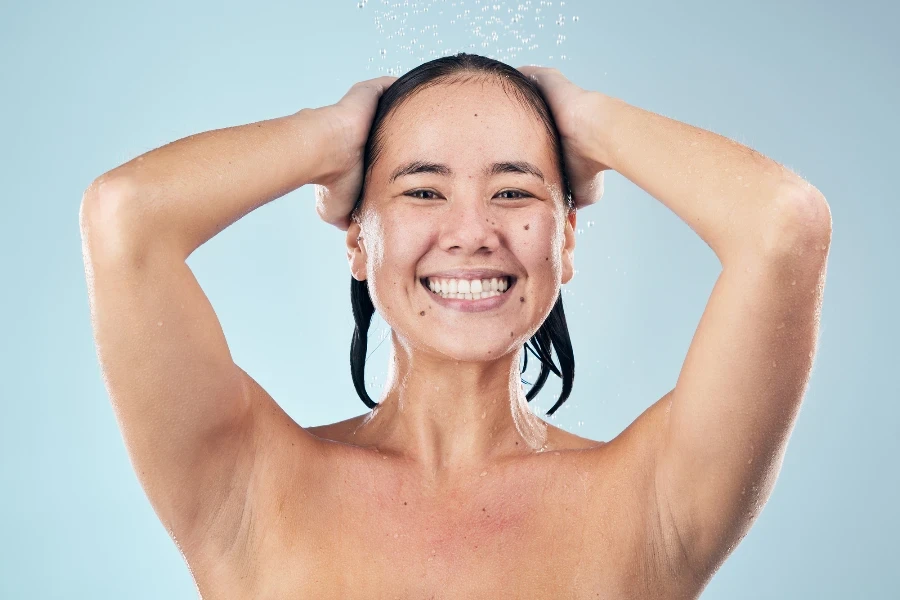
<point x="548" y="258"/>
<point x="483" y="509"/>
<point x="476" y="114"/>
<point x="526" y="227"/>
<point x="521" y="298"/>
<point x="422" y="314"/>
<point x="510" y="334"/>
<point x="404" y="504"/>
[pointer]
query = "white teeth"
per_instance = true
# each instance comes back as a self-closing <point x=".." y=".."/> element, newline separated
<point x="466" y="289"/>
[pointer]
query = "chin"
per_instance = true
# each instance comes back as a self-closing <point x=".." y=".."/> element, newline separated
<point x="464" y="352"/>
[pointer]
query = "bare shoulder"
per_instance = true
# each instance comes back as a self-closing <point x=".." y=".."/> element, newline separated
<point x="281" y="449"/>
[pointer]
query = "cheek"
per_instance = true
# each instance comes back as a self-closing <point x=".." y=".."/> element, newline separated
<point x="399" y="242"/>
<point x="538" y="245"/>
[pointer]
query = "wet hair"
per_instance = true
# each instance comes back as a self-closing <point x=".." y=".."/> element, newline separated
<point x="553" y="333"/>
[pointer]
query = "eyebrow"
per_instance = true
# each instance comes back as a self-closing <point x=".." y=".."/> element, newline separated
<point x="418" y="166"/>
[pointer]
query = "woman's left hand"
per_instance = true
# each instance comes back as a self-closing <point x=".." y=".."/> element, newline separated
<point x="574" y="111"/>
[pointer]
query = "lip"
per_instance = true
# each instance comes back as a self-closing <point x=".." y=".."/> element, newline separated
<point x="463" y="305"/>
<point x="484" y="273"/>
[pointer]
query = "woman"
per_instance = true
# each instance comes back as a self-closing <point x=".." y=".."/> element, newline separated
<point x="465" y="171"/>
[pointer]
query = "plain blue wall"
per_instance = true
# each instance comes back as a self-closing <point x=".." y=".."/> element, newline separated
<point x="88" y="86"/>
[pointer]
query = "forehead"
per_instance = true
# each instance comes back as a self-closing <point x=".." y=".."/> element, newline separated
<point x="471" y="122"/>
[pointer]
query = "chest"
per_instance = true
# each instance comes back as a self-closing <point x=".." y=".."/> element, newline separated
<point x="536" y="531"/>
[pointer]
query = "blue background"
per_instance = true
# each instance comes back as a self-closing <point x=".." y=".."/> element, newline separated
<point x="88" y="86"/>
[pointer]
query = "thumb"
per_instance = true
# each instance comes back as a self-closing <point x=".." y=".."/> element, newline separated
<point x="370" y="89"/>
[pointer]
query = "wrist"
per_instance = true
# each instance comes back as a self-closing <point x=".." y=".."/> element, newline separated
<point x="317" y="135"/>
<point x="603" y="117"/>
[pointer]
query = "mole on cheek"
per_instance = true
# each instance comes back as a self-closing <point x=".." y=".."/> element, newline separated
<point x="526" y="227"/>
<point x="510" y="334"/>
<point x="422" y="314"/>
<point x="521" y="298"/>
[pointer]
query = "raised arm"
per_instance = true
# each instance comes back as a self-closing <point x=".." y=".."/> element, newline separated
<point x="725" y="425"/>
<point x="193" y="421"/>
<point x="731" y="412"/>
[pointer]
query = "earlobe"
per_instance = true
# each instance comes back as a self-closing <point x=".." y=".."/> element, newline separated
<point x="568" y="249"/>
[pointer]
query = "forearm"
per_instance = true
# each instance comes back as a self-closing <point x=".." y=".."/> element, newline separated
<point x="186" y="192"/>
<point x="734" y="198"/>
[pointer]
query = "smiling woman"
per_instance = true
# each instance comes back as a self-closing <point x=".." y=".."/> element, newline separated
<point x="457" y="192"/>
<point x="453" y="289"/>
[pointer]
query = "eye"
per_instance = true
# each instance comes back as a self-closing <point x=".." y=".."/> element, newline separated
<point x="414" y="194"/>
<point x="520" y="194"/>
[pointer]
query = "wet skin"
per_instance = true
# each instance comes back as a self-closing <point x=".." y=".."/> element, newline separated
<point x="452" y="487"/>
<point x="579" y="520"/>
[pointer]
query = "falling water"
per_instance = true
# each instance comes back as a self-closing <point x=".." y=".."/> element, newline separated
<point x="518" y="32"/>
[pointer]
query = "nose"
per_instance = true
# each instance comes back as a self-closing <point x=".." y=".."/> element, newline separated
<point x="469" y="227"/>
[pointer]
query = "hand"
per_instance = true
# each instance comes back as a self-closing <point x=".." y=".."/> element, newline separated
<point x="349" y="122"/>
<point x="574" y="111"/>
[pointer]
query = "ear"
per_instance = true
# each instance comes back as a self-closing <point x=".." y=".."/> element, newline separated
<point x="568" y="249"/>
<point x="356" y="251"/>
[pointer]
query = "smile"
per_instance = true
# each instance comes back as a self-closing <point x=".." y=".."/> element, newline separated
<point x="468" y="289"/>
<point x="488" y="295"/>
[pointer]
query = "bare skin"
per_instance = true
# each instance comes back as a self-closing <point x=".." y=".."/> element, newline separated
<point x="452" y="487"/>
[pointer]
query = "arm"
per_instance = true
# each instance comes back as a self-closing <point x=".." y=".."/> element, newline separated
<point x="194" y="423"/>
<point x="181" y="195"/>
<point x="719" y="436"/>
<point x="729" y="417"/>
<point x="737" y="200"/>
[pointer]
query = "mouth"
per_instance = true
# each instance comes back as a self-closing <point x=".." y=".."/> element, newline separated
<point x="468" y="289"/>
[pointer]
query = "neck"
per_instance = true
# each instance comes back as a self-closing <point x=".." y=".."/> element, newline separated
<point x="448" y="416"/>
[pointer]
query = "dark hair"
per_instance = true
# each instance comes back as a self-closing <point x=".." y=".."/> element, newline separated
<point x="553" y="333"/>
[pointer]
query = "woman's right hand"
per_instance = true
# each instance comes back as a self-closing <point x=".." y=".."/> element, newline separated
<point x="349" y="121"/>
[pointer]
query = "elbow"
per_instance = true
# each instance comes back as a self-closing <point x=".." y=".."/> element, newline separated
<point x="104" y="200"/>
<point x="798" y="223"/>
<point x="105" y="213"/>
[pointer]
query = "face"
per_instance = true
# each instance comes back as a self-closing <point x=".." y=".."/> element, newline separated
<point x="482" y="202"/>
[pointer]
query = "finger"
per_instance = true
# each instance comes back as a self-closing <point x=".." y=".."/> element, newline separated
<point x="378" y="84"/>
<point x="369" y="91"/>
<point x="589" y="192"/>
<point x="326" y="209"/>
